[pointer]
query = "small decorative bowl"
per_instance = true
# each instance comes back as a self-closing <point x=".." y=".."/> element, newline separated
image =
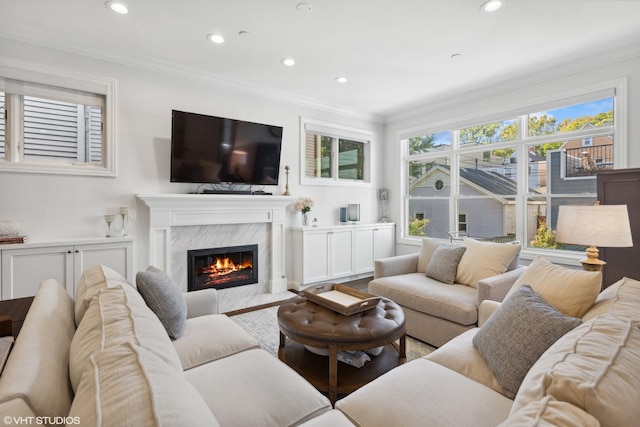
<point x="10" y="228"/>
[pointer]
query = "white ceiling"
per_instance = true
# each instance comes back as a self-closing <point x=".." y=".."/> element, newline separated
<point x="396" y="53"/>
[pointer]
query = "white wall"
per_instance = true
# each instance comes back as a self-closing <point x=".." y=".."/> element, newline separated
<point x="509" y="95"/>
<point x="58" y="206"/>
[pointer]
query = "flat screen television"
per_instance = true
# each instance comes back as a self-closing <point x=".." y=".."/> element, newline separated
<point x="214" y="150"/>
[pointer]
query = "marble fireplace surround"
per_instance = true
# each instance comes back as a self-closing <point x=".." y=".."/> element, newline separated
<point x="168" y="213"/>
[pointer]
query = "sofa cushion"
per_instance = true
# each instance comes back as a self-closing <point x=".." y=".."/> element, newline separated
<point x="455" y="303"/>
<point x="621" y="299"/>
<point x="594" y="367"/>
<point x="429" y="245"/>
<point x="115" y="316"/>
<point x="253" y="388"/>
<point x="463" y="357"/>
<point x="548" y="412"/>
<point x="163" y="297"/>
<point x="211" y="337"/>
<point x="37" y="370"/>
<point x="515" y="336"/>
<point x="424" y="393"/>
<point x="92" y="280"/>
<point x="444" y="263"/>
<point x="572" y="292"/>
<point x="484" y="259"/>
<point x="127" y="385"/>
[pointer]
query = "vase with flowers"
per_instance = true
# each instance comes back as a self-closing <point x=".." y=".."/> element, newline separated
<point x="303" y="205"/>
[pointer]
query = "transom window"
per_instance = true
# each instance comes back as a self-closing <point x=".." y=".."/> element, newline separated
<point x="504" y="180"/>
<point x="46" y="128"/>
<point x="334" y="154"/>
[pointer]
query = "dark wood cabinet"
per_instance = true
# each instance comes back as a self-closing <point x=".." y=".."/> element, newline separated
<point x="621" y="187"/>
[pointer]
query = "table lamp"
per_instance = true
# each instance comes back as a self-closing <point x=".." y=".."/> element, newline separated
<point x="597" y="225"/>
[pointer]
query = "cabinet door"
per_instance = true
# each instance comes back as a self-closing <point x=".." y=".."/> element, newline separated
<point x="117" y="256"/>
<point x="384" y="242"/>
<point x="315" y="259"/>
<point x="364" y="249"/>
<point x="621" y="187"/>
<point x="24" y="269"/>
<point x="341" y="253"/>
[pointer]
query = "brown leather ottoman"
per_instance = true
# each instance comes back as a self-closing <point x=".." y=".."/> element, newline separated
<point x="307" y="323"/>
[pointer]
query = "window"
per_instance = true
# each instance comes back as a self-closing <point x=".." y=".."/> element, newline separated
<point x="334" y="154"/>
<point x="510" y="175"/>
<point x="55" y="124"/>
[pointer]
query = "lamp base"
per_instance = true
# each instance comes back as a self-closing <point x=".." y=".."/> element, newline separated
<point x="592" y="264"/>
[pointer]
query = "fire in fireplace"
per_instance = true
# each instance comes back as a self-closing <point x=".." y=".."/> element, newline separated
<point x="222" y="268"/>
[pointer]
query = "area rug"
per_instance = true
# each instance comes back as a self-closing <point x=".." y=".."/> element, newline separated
<point x="263" y="325"/>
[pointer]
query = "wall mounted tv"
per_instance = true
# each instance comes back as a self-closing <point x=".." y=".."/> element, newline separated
<point x="213" y="150"/>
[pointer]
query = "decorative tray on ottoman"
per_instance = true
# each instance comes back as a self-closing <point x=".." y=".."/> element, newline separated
<point x="340" y="298"/>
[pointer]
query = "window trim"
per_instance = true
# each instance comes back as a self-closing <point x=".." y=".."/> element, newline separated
<point x="338" y="132"/>
<point x="617" y="88"/>
<point x="54" y="78"/>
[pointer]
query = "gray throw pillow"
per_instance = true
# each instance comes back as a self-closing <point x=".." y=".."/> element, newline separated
<point x="163" y="297"/>
<point x="517" y="334"/>
<point x="443" y="264"/>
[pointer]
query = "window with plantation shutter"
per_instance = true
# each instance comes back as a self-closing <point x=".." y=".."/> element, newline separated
<point x="59" y="130"/>
<point x="55" y="123"/>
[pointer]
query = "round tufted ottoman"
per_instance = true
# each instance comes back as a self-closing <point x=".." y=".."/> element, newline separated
<point x="307" y="323"/>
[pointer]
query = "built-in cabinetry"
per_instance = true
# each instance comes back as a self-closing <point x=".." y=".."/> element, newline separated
<point x="24" y="266"/>
<point x="339" y="252"/>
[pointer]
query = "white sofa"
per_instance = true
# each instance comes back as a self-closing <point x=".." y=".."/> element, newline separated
<point x="436" y="311"/>
<point x="118" y="367"/>
<point x="588" y="377"/>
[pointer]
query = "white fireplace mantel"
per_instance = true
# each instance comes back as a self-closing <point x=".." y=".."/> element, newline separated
<point x="175" y="210"/>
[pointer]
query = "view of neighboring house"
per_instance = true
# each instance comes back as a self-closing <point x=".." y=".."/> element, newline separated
<point x="488" y="188"/>
<point x="585" y="156"/>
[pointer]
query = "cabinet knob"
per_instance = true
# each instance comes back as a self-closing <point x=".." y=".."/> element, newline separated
<point x="77" y="251"/>
<point x="69" y="251"/>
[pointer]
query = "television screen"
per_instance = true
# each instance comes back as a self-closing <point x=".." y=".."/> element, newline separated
<point x="208" y="149"/>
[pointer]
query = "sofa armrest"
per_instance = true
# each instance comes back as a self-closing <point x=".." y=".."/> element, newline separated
<point x="202" y="302"/>
<point x="496" y="287"/>
<point x="486" y="309"/>
<point x="395" y="265"/>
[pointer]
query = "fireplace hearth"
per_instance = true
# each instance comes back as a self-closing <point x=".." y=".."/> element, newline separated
<point x="221" y="268"/>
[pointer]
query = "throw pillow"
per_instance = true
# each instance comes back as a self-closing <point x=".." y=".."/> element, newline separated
<point x="484" y="259"/>
<point x="163" y="297"/>
<point x="444" y="263"/>
<point x="517" y="334"/>
<point x="572" y="292"/>
<point x="429" y="245"/>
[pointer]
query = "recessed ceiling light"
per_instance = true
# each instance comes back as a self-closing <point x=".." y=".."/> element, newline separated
<point x="289" y="62"/>
<point x="491" y="5"/>
<point x="216" y="38"/>
<point x="304" y="7"/>
<point x="342" y="79"/>
<point x="117" y="7"/>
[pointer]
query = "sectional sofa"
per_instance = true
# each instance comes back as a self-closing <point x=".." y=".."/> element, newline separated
<point x="106" y="359"/>
<point x="589" y="376"/>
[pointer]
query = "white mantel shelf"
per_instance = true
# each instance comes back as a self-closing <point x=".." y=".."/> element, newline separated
<point x="175" y="210"/>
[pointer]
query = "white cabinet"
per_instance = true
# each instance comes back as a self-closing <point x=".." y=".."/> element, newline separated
<point x="341" y="252"/>
<point x="24" y="266"/>
<point x="322" y="254"/>
<point x="373" y="242"/>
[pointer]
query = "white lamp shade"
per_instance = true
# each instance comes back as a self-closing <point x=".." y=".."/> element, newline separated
<point x="597" y="225"/>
